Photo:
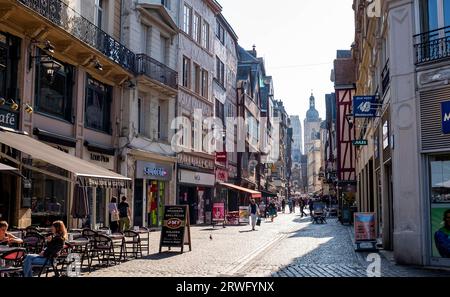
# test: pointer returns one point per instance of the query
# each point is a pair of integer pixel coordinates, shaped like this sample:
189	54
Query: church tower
311	124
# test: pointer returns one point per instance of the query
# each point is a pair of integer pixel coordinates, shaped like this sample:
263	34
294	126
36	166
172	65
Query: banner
440	231
365	226
218	212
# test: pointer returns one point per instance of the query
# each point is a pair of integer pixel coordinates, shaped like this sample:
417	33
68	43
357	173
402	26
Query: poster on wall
244	216
218	212
440	231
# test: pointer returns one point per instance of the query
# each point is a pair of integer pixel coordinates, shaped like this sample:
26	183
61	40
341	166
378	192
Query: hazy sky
298	40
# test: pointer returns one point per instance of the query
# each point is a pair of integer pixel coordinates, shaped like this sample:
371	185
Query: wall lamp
350	119
14	106
97	65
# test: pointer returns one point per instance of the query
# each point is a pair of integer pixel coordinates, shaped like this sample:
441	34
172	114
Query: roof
230	29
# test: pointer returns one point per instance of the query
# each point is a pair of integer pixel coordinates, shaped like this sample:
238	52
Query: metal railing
156	70
432	45
385	77
78	26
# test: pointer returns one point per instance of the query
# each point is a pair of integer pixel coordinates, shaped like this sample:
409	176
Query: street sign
363	106
176	230
360	142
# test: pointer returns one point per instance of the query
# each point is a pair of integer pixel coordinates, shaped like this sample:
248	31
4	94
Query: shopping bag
258	221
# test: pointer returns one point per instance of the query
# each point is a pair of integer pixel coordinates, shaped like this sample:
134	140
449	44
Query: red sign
365	227
221	175
218	212
221	157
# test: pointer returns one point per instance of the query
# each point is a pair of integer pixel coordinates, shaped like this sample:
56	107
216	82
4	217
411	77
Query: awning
4	167
268	194
255	194
86	174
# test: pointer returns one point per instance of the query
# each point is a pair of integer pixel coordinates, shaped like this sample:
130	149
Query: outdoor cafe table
5	249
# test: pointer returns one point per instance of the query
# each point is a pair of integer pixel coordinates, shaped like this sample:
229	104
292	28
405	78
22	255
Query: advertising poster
440	231
365	227
244	216
218	212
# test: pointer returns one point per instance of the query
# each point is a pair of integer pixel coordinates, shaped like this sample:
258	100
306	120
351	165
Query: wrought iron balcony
385	78
156	70
432	45
60	14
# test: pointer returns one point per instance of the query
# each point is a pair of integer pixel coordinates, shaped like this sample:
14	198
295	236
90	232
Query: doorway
188	196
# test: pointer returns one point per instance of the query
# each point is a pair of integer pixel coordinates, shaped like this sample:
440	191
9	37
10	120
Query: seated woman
7	238
55	243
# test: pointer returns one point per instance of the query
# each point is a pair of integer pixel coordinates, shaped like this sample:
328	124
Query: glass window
54	90
440	179
205	35
187	22
98	106
220	71
197	29
166	3
186	72
205	83
197	82
220	32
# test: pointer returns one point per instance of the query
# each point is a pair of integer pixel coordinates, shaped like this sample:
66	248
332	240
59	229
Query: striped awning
86	174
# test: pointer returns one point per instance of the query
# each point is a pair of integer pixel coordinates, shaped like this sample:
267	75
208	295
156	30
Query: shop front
196	189
151	192
50	178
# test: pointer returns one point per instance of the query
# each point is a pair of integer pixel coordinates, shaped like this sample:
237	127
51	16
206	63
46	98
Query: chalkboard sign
176	228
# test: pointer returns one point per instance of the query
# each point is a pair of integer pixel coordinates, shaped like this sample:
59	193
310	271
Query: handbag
258	221
115	216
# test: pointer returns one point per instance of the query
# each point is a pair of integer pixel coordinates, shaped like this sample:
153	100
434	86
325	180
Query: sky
298	40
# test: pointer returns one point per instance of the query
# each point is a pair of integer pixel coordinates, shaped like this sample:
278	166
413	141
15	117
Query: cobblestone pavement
290	246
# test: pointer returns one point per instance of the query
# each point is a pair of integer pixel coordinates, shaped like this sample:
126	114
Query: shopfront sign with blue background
445	109
153	171
364	107
8	118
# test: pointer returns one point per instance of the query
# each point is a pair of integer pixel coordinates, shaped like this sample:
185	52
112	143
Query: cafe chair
33	242
134	239
12	262
103	249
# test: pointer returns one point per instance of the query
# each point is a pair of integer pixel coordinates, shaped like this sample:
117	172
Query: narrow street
289	247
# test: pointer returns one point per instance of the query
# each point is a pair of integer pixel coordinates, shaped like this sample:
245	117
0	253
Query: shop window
49	200
98	106
54	91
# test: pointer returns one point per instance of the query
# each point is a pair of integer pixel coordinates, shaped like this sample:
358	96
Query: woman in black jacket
55	243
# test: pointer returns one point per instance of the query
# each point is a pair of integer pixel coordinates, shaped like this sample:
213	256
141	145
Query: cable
300	66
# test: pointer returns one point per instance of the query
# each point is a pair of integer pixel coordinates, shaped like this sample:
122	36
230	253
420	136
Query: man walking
124	215
254	212
283	205
302	203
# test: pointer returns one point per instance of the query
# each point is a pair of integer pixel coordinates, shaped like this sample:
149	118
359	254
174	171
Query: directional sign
364	106
360	142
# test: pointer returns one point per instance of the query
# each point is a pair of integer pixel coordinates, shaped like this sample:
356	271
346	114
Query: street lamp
350	119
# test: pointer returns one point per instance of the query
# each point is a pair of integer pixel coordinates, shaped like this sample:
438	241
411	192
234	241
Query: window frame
205	35
204	84
187	19
108	100
186	72
197	27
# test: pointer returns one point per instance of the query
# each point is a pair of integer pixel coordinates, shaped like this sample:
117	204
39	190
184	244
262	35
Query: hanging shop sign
221	175
153	171
360	142
445	110
176	232
221	157
364	106
197	178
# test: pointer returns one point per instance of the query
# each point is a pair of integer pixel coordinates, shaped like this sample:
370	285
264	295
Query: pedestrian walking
290	205
114	213
283	205
302	203
124	215
272	210
254	212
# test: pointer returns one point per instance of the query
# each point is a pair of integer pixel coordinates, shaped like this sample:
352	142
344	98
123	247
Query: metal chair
146	243
134	239
103	246
13	262
33	242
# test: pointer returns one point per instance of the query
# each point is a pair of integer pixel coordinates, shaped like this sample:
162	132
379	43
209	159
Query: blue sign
445	109
363	107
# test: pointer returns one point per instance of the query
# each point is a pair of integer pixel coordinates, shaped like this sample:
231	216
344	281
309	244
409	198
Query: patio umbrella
80	205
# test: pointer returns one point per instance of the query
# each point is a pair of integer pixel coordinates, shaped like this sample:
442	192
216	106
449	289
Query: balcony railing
385	77
156	70
432	45
78	26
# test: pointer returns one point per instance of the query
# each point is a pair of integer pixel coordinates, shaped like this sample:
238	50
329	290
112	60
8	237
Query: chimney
254	51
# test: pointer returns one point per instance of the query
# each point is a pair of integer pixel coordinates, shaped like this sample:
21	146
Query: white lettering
446	117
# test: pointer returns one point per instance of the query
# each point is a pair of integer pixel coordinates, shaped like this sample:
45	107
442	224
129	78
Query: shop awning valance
268	194
86	174
4	167
254	194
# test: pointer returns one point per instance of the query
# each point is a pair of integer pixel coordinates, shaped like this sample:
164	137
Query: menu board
218	212
176	228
